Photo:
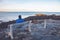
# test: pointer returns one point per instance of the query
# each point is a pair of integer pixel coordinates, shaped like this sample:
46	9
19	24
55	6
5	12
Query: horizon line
29	11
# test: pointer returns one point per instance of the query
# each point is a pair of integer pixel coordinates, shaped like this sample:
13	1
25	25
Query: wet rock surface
38	32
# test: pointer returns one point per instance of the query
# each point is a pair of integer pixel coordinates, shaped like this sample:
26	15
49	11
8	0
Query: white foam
10	18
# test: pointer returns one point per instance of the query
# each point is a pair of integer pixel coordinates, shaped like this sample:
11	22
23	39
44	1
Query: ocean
9	16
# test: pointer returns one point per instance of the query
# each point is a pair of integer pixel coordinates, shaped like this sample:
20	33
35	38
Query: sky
30	5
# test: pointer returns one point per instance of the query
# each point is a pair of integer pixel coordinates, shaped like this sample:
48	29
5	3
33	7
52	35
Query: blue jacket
19	20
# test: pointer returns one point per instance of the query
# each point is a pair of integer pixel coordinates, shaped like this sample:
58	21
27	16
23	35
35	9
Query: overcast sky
30	5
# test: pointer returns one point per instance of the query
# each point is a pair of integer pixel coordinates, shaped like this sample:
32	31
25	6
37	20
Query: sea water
9	16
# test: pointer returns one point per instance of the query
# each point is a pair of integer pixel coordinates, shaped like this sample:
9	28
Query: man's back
19	20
